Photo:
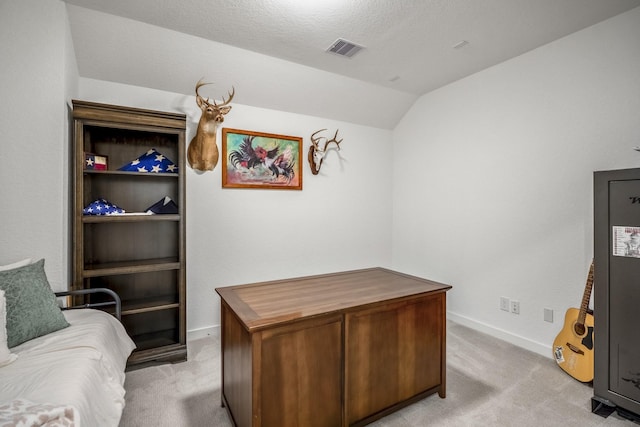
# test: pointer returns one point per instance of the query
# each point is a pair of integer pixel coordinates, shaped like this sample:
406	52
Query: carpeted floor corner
489	383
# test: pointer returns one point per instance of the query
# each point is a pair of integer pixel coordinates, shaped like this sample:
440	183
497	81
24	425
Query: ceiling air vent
344	47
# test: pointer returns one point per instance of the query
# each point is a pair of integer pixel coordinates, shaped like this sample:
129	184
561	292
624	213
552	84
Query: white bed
78	369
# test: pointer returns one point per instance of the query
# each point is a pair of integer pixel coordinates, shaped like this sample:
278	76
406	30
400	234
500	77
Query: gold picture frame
261	160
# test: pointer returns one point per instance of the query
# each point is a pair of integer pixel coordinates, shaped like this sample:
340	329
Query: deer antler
333	140
315	140
233	92
200	99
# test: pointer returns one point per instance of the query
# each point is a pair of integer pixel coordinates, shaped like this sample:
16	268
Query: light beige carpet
489	383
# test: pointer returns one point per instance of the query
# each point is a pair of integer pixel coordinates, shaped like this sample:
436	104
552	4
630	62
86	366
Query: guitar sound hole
580	329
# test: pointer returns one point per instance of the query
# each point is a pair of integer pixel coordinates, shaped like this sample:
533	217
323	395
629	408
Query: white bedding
81	366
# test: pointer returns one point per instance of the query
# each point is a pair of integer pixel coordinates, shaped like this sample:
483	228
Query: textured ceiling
260	45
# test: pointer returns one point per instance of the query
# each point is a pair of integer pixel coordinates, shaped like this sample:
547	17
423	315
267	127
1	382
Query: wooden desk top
265	304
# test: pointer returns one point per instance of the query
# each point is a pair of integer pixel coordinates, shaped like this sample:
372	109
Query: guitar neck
586	297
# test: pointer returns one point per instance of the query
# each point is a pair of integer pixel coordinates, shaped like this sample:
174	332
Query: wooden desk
340	349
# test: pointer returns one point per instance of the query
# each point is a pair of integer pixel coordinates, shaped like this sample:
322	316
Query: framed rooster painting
261	160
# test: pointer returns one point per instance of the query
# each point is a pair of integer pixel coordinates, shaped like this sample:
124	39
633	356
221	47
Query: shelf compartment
107	242
130	192
122	145
153	329
130	267
143	291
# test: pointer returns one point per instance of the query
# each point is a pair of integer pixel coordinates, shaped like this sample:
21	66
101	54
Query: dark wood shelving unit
139	256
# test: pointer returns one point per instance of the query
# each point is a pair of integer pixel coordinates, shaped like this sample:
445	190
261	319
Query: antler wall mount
317	154
202	153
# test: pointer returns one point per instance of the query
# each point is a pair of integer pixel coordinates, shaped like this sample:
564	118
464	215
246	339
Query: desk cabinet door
301	380
394	353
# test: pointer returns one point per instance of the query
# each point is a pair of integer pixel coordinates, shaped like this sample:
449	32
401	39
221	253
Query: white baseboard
536	347
194	334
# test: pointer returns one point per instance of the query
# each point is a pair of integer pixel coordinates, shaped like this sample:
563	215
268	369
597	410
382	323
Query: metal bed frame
116	299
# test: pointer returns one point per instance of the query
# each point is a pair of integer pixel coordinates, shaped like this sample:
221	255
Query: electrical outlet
504	303
515	307
548	315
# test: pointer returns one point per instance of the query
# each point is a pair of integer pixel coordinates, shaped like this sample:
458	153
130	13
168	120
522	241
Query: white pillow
15	264
6	356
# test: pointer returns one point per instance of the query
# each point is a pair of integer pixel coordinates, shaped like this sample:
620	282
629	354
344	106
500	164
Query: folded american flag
163	206
102	207
151	161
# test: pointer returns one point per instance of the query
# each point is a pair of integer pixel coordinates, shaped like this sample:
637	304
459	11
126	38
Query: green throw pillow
32	309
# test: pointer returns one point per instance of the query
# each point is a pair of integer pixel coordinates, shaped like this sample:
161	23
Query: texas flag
95	162
153	162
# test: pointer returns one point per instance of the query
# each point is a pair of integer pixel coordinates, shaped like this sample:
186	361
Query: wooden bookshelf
139	256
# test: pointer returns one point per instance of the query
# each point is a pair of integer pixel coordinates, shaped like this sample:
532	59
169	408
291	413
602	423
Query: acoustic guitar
573	347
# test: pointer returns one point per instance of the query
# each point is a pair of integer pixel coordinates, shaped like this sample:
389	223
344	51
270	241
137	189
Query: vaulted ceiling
274	51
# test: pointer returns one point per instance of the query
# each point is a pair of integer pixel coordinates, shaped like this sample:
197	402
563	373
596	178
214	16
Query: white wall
492	184
37	70
339	221
491	177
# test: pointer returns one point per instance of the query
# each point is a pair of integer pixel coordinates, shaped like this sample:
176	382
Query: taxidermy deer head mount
203	150
316	154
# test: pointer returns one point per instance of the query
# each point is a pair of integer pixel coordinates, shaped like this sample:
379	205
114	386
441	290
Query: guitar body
573	347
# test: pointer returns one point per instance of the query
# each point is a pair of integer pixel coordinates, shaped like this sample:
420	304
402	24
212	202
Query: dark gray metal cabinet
616	383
